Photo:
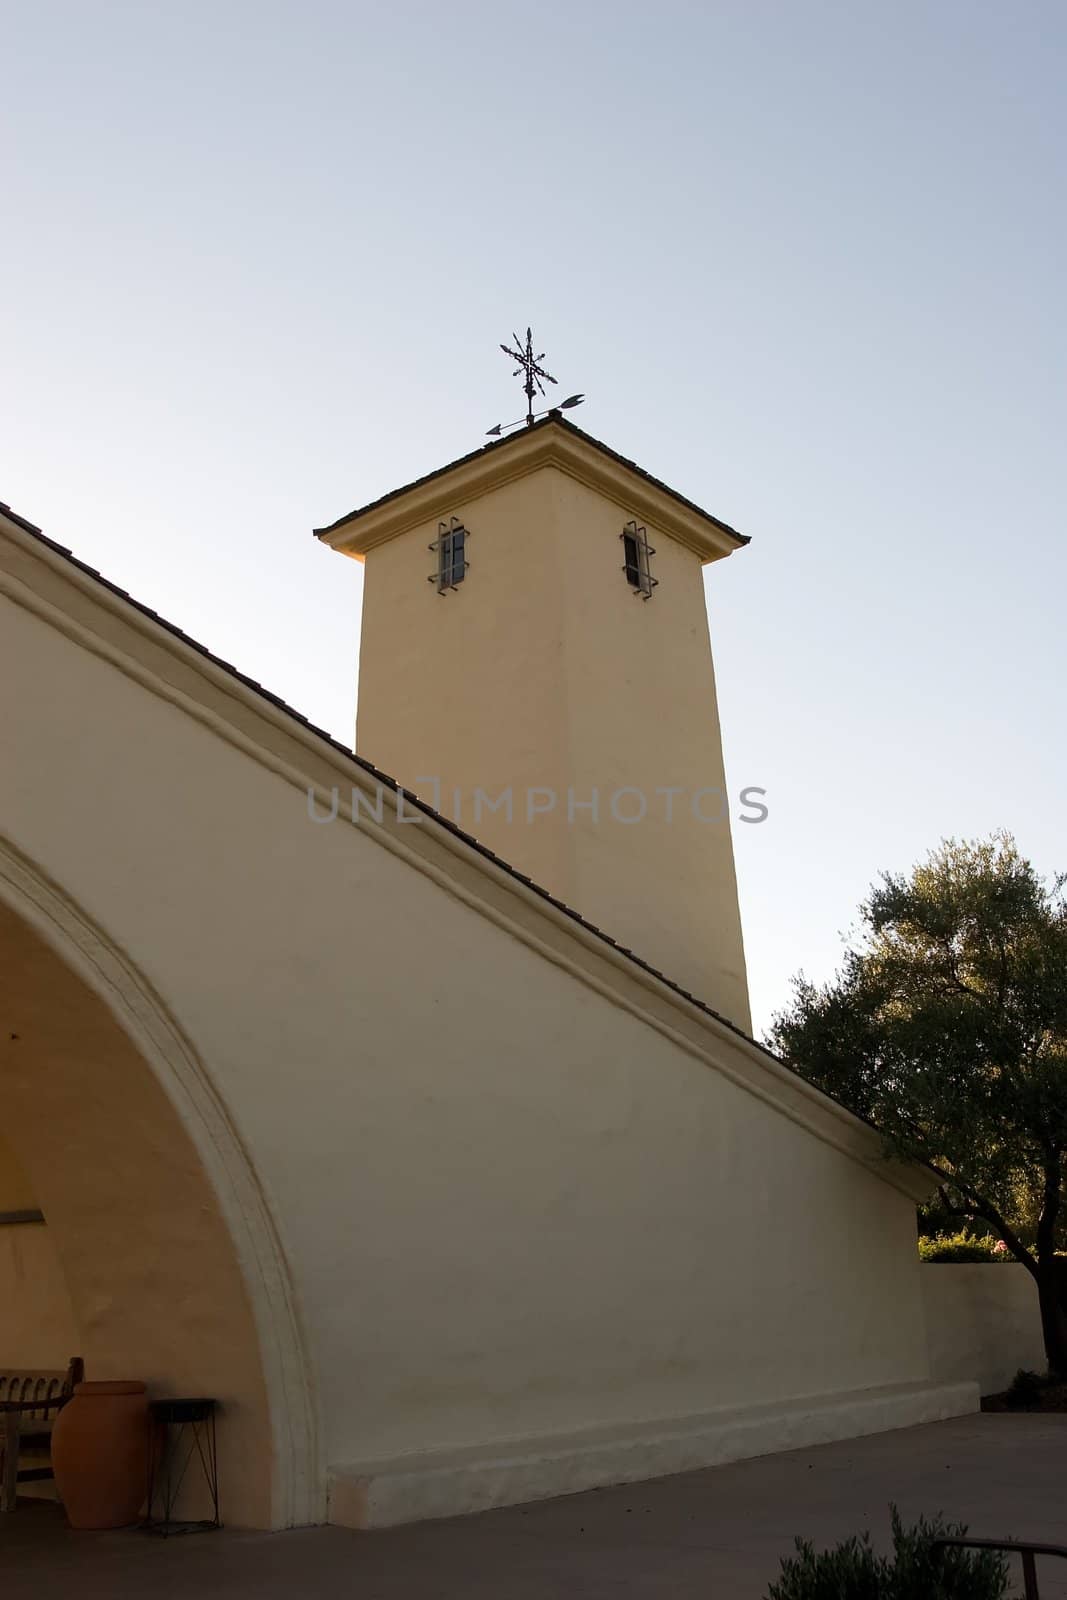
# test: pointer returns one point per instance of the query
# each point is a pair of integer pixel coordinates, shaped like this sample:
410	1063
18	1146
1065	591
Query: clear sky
807	260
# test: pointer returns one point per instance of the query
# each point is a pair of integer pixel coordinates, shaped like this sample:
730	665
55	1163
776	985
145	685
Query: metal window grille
637	560
450	547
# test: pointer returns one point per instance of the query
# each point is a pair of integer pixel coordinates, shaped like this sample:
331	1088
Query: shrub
919	1573
853	1571
1026	1388
962	1247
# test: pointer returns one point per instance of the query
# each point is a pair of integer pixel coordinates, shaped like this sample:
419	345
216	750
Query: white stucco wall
624	698
514	1203
983	1322
37	1327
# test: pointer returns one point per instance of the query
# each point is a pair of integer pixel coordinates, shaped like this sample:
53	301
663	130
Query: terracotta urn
100	1454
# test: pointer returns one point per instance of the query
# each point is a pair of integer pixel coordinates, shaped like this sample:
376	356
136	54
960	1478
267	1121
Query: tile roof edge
555	419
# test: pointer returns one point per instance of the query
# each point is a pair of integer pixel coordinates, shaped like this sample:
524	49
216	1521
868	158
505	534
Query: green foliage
853	1571
946	1028
934	1217
962	1247
1026	1388
919	1573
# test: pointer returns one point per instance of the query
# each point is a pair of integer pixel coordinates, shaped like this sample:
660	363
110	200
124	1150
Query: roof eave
551	442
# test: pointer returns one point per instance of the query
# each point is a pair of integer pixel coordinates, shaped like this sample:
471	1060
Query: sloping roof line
554	419
411	799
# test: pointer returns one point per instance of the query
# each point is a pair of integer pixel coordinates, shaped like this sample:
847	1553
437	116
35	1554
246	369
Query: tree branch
981	1207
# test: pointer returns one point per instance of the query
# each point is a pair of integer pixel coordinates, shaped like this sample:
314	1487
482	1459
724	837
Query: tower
535	662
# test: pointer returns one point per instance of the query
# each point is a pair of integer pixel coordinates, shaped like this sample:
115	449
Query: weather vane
536	378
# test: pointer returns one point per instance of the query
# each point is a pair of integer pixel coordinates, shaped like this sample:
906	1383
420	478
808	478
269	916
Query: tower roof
551	442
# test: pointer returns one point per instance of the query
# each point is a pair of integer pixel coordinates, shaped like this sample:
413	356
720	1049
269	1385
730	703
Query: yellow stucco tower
535	662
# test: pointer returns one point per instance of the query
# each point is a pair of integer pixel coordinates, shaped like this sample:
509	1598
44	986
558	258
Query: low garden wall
982	1322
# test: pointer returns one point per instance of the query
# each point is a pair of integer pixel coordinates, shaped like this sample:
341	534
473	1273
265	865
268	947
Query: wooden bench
29	1404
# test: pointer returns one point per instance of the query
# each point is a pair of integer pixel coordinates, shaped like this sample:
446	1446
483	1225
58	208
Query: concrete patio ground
715	1533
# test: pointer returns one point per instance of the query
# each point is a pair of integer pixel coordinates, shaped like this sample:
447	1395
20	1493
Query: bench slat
29	1401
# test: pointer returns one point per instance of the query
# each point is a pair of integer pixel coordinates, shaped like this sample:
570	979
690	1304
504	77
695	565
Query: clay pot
100	1454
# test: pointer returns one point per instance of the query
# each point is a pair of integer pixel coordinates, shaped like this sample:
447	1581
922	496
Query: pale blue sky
807	261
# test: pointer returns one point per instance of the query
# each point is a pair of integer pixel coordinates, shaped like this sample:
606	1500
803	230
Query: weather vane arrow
536	377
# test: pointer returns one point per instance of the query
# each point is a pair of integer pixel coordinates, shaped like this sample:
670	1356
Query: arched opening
170	1269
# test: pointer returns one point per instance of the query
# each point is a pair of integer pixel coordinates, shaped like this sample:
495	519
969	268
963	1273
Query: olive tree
946	1027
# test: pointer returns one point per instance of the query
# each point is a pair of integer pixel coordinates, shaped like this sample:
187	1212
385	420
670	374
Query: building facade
333	1113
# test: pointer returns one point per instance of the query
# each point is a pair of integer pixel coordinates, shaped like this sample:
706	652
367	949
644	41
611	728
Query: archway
170	1258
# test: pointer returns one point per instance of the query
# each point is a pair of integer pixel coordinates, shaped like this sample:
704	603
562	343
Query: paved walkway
716	1535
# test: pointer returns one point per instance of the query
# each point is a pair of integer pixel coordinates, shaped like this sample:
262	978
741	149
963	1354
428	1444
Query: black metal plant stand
180	1430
